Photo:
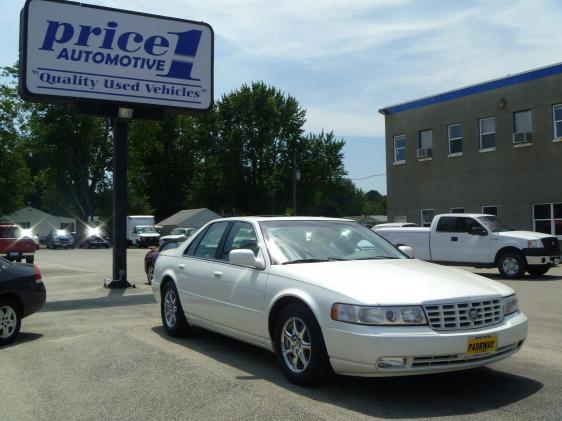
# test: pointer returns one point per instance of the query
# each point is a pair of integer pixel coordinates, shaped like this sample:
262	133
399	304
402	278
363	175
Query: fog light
392	362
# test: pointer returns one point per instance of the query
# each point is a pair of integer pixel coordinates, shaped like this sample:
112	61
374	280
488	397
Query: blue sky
344	60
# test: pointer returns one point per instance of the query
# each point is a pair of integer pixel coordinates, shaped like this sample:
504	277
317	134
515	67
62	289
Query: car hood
151	235
172	237
523	235
394	281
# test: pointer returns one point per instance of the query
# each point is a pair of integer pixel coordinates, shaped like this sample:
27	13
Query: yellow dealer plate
482	345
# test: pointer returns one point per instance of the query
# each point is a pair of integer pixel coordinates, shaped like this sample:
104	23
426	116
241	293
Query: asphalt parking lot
94	353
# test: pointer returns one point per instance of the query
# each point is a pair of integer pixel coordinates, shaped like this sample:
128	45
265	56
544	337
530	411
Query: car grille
455	359
458	315
551	244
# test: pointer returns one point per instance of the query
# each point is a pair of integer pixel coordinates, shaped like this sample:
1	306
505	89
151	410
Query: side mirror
245	257
476	230
407	250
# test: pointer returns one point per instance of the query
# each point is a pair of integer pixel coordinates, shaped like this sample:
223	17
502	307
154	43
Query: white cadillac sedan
329	295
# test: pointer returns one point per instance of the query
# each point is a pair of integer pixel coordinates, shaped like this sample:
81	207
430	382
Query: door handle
217	273
181	266
454	238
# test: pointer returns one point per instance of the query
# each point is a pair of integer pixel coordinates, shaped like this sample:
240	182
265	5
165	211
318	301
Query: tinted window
10	232
209	243
447	224
241	236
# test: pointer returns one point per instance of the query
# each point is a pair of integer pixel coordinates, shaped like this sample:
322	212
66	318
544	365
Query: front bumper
357	350
543	260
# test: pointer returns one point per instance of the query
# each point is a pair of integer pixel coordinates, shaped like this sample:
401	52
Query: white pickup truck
482	241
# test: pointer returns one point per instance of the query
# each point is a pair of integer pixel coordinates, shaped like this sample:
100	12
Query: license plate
482	345
14	253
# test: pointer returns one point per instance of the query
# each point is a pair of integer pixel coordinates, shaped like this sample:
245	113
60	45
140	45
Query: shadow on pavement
447	394
543	278
23	338
113	299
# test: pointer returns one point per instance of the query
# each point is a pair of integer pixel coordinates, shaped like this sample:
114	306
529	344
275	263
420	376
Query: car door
442	238
238	291
470	247
195	272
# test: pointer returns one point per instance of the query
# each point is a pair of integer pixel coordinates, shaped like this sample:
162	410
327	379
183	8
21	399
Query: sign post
119	64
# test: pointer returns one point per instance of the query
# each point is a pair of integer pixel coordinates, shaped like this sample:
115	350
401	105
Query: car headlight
534	244
378	315
510	305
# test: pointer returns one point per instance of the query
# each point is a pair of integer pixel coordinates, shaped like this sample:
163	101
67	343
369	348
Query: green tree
15	177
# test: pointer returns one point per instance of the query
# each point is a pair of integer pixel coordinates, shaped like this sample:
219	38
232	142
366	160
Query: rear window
10	232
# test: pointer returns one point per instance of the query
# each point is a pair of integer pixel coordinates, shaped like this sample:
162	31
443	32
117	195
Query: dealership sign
72	52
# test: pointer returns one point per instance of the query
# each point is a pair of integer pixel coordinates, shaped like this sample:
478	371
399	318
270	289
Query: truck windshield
146	230
495	224
323	241
10	232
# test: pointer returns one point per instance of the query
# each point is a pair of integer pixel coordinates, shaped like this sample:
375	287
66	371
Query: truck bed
418	238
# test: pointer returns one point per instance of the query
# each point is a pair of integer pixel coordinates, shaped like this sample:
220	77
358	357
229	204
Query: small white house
41	222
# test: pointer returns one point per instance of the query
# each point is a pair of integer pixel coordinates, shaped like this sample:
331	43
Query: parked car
94	241
394	225
181	234
59	238
329	294
152	255
14	246
22	293
481	241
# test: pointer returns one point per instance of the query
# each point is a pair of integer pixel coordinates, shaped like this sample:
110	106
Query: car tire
512	265
30	259
10	320
149	274
173	318
538	270
300	347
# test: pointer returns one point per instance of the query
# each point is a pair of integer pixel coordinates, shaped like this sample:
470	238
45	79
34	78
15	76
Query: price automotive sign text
73	52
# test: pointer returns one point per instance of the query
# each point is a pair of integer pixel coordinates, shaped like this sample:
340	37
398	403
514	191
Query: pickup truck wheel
538	270
512	265
29	259
10	321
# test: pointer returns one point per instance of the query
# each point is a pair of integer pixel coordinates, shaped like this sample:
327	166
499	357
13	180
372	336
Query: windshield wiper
330	259
377	258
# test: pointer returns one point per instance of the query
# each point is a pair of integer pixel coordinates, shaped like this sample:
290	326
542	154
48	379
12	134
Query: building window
557	120
547	218
490	210
457	210
425	144
426	217
487	133
455	139
400	149
522	127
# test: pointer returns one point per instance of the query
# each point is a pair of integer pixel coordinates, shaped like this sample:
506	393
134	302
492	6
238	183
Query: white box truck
141	231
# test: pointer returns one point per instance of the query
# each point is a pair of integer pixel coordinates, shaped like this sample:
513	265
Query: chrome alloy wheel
295	345
510	266
8	321
170	308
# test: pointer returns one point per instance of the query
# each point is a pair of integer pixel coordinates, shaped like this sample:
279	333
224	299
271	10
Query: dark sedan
152	255
94	241
22	293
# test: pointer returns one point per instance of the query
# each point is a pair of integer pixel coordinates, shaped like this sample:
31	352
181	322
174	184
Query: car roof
281	218
470	215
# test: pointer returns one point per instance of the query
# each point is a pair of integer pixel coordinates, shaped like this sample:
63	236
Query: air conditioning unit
424	153
522	137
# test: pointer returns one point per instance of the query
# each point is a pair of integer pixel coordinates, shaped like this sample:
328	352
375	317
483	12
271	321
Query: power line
369	176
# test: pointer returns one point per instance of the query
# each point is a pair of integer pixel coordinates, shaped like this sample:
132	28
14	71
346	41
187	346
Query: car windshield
495	224
320	241
146	230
